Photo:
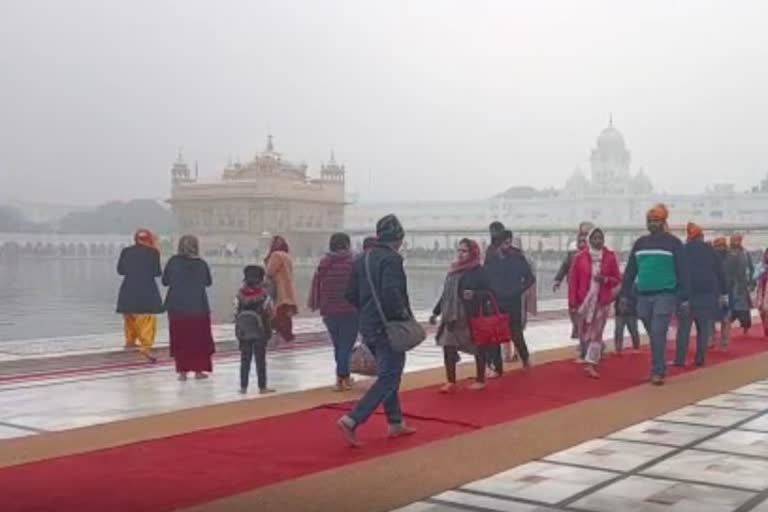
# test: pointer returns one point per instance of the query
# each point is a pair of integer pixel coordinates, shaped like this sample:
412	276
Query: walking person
466	288
657	267
511	277
496	231
139	298
279	265
529	303
253	327
720	245
739	271
593	279
707	294
329	285
187	277
626	318
564	270
390	284
761	296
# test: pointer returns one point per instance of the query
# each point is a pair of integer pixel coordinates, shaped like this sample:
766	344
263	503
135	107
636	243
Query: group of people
265	304
697	282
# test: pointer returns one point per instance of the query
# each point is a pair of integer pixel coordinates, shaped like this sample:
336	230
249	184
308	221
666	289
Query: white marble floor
711	456
59	403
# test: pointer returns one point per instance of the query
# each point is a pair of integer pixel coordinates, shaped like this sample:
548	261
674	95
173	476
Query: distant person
529	302
593	277
139	298
761	296
720	245
511	277
465	290
369	243
657	267
391	286
187	277
707	294
739	275
280	273
565	268
253	327
327	294
496	230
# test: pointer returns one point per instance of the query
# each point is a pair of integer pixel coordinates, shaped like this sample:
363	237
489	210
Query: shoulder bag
403	335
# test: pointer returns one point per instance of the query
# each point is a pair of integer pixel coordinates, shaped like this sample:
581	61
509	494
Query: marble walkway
711	456
53	403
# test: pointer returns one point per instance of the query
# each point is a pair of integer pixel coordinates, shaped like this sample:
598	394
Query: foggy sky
452	99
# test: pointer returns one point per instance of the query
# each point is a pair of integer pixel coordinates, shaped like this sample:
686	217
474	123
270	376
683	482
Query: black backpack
252	325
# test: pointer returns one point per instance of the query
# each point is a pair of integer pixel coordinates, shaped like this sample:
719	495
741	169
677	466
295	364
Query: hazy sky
434	99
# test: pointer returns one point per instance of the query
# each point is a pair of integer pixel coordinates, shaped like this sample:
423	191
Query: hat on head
389	229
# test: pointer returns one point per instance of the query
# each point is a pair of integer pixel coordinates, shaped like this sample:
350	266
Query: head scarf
189	246
736	240
720	243
473	259
278	244
589	237
146	238
369	243
389	229
694	231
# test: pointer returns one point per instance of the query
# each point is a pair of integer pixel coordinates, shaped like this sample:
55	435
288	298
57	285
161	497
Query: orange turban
146	238
720	243
694	231
736	240
658	213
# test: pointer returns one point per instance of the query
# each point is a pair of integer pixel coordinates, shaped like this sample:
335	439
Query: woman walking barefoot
593	278
466	285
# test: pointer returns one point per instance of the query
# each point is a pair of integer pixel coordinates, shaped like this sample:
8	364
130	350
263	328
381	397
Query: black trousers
257	352
630	322
494	355
451	358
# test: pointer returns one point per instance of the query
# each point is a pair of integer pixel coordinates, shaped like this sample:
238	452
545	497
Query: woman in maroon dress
189	316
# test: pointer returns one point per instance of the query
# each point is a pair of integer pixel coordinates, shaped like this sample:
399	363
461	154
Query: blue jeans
386	389
343	331
704	331
656	312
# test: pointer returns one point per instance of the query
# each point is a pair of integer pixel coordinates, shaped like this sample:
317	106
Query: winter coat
139	266
510	276
187	279
329	284
707	279
391	284
280	272
656	265
580	278
476	280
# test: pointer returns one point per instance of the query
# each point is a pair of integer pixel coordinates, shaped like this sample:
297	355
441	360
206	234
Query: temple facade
251	202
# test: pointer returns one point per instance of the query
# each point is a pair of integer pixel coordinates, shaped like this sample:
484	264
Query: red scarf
472	260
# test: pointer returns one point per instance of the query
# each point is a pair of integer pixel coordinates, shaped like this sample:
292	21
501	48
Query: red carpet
194	468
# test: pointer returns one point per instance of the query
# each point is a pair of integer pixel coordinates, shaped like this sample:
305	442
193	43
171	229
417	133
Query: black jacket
187	278
565	267
510	276
391	285
706	269
476	280
139	266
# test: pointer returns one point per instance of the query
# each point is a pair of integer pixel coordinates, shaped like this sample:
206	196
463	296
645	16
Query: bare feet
348	383
592	371
493	375
266	391
448	389
657	380
201	375
347	427
400	430
150	359
476	386
182	377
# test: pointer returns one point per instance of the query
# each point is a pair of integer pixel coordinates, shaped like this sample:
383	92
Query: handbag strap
494	304
373	288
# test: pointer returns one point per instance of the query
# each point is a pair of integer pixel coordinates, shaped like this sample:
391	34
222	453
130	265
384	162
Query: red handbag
490	329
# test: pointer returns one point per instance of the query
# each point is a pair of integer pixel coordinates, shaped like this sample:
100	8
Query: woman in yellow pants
139	298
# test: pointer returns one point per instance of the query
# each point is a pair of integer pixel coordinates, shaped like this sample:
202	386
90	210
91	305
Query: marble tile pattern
706	457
